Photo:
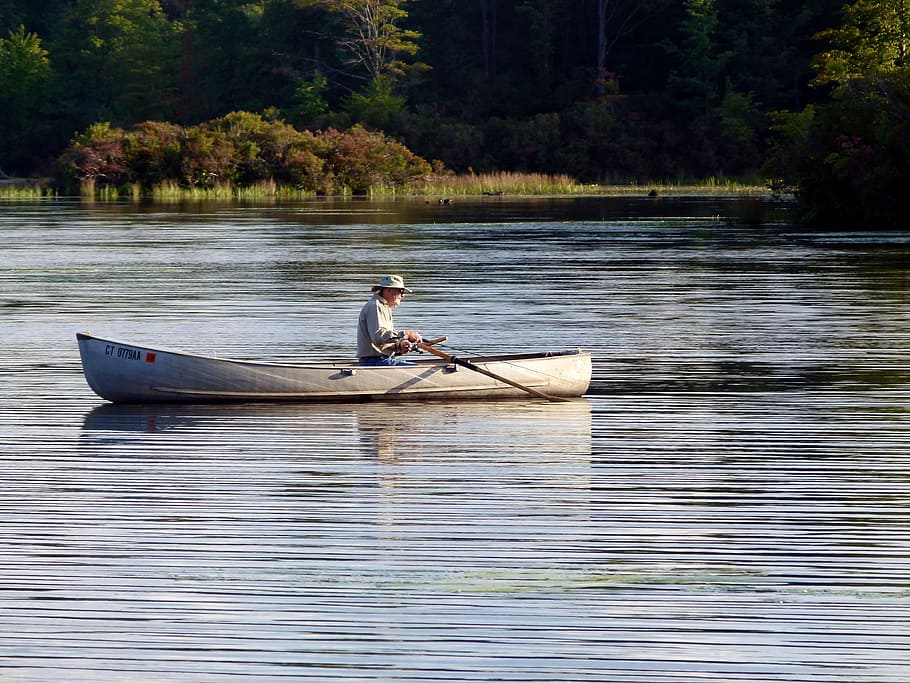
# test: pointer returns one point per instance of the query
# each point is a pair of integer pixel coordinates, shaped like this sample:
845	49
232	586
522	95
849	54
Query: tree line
602	90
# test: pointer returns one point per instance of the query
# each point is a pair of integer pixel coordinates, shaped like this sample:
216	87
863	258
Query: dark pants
384	360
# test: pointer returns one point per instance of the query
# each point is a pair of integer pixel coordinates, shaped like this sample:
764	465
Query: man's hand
409	341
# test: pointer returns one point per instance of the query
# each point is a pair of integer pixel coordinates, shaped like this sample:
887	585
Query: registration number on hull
126	353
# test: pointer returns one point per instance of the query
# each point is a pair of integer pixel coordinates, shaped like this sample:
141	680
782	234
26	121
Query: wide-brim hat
393	281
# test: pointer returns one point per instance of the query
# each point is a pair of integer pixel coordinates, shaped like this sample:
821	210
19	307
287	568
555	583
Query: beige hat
393	281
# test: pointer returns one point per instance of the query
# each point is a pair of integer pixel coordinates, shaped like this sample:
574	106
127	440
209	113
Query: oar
426	346
434	342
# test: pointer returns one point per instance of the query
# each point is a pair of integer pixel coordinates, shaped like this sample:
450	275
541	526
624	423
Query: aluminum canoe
124	372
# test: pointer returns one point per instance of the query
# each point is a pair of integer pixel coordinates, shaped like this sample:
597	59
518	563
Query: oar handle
427	346
432	342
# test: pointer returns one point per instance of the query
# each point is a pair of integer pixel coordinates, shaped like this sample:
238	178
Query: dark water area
730	502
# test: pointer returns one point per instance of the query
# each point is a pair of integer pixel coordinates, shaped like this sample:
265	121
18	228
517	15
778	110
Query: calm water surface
730	503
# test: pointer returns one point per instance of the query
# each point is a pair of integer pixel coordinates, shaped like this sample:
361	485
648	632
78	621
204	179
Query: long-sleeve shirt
376	333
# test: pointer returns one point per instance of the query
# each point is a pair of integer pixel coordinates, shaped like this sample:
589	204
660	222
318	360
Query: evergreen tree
225	65
115	61
694	80
24	77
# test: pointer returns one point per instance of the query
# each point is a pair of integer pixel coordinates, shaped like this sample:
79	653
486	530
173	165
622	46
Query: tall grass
530	184
266	190
500	183
35	191
706	186
467	185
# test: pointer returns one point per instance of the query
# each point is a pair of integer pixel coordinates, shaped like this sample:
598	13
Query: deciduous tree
374	36
873	39
848	158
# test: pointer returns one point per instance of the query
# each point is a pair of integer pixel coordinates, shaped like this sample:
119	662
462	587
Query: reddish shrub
96	156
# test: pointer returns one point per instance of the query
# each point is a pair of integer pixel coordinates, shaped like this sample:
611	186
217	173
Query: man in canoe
378	342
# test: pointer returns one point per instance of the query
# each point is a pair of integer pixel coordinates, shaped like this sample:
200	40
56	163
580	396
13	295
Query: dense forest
601	90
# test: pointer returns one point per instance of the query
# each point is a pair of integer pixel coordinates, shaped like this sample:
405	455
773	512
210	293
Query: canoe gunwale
331	364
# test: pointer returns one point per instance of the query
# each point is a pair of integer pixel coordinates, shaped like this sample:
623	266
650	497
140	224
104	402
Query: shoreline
24	189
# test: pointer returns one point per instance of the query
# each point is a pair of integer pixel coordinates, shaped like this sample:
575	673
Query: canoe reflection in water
375	463
495	430
464	470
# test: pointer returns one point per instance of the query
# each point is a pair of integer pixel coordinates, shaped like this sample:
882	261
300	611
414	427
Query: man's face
392	296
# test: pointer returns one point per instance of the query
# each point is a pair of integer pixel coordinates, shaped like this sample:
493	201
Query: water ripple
728	504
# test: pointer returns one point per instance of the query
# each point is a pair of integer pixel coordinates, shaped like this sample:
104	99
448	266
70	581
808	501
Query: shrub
207	158
152	152
95	156
847	160
239	150
260	145
303	167
359	159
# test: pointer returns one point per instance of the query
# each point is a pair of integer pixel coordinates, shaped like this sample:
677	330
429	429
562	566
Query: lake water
730	503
